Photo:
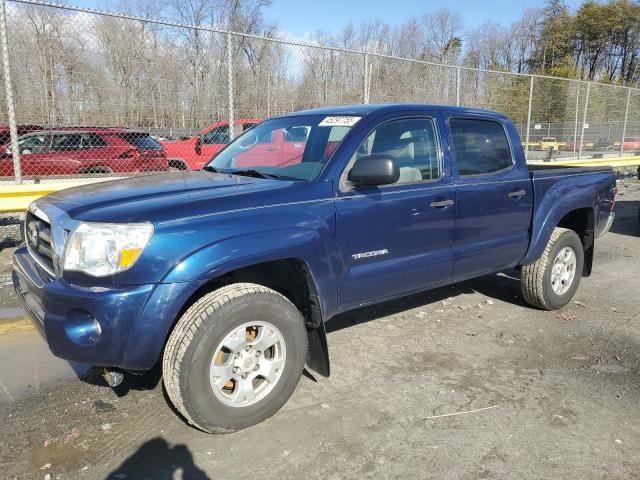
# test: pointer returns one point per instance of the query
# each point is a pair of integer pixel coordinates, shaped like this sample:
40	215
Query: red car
631	144
72	151
194	152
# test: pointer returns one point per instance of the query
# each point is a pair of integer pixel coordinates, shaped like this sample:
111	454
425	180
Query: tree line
76	68
599	41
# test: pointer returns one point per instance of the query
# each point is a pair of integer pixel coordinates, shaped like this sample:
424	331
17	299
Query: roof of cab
366	109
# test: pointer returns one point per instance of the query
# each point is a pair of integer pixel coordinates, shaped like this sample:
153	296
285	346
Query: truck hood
164	197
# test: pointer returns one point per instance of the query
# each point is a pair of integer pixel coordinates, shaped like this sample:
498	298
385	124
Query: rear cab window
217	136
480	146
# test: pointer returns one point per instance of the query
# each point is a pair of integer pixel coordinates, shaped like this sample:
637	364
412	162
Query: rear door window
480	146
66	141
92	140
141	140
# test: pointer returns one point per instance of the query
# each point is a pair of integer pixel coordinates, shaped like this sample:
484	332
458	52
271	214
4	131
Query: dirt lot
462	382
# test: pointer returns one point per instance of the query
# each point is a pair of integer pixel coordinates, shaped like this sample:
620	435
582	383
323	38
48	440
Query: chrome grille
39	241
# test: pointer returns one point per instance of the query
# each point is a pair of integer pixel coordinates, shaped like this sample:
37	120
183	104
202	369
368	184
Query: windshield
293	148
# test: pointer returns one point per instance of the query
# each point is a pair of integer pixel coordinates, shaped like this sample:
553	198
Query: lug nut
256	367
236	369
257	354
237	355
244	375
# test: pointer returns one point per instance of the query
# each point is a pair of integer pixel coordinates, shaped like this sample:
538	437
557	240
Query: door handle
442	203
517	194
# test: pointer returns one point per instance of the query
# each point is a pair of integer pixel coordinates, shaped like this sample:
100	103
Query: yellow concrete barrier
16	198
615	162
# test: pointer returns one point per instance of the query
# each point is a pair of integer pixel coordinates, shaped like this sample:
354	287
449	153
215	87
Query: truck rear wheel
235	357
551	282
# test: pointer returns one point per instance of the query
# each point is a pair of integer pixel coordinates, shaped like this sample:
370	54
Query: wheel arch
304	279
290	277
579	217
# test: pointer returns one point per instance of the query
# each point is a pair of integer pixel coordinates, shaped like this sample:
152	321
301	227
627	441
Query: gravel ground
461	382
9	240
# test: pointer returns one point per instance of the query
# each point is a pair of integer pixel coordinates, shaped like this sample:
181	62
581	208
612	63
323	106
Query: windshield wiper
209	168
253	173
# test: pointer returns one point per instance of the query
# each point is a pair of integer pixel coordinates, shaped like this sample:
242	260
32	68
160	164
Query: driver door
395	239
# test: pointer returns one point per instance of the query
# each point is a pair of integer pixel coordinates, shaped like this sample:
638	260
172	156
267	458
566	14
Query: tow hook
112	377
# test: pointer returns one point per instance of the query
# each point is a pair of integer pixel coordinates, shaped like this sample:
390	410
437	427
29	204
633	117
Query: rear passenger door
394	239
494	197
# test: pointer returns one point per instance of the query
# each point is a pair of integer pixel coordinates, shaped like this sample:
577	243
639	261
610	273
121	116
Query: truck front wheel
235	357
551	282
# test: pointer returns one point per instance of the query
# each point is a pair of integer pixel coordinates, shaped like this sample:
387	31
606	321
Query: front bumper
112	326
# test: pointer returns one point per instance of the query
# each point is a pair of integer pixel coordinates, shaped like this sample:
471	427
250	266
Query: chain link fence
103	93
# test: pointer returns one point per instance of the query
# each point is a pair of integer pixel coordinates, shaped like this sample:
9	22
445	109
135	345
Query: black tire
536	277
177	165
98	171
192	344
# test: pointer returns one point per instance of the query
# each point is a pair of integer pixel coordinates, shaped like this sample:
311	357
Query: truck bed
573	188
538	170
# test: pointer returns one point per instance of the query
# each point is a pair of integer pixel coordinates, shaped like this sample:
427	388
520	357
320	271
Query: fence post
365	83
526	141
458	86
624	126
11	111
230	84
575	125
584	119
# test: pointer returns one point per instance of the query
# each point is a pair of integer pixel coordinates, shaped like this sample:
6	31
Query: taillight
130	154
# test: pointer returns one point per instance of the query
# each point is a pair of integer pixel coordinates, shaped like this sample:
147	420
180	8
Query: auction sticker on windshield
339	121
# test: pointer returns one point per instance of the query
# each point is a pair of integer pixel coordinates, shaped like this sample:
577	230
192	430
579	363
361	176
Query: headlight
100	249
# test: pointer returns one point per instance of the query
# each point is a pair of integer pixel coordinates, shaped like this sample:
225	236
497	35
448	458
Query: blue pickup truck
227	275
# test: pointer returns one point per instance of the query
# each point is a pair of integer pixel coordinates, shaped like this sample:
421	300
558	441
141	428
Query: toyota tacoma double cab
227	275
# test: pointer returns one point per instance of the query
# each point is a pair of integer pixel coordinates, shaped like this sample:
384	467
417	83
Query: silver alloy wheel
564	271
247	364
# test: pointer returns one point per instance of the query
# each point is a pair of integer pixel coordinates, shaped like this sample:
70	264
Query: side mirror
374	170
198	145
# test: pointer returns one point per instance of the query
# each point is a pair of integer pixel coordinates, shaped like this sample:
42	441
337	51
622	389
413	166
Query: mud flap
318	355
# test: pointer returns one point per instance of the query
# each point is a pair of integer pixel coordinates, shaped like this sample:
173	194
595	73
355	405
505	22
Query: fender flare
150	332
250	249
557	205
